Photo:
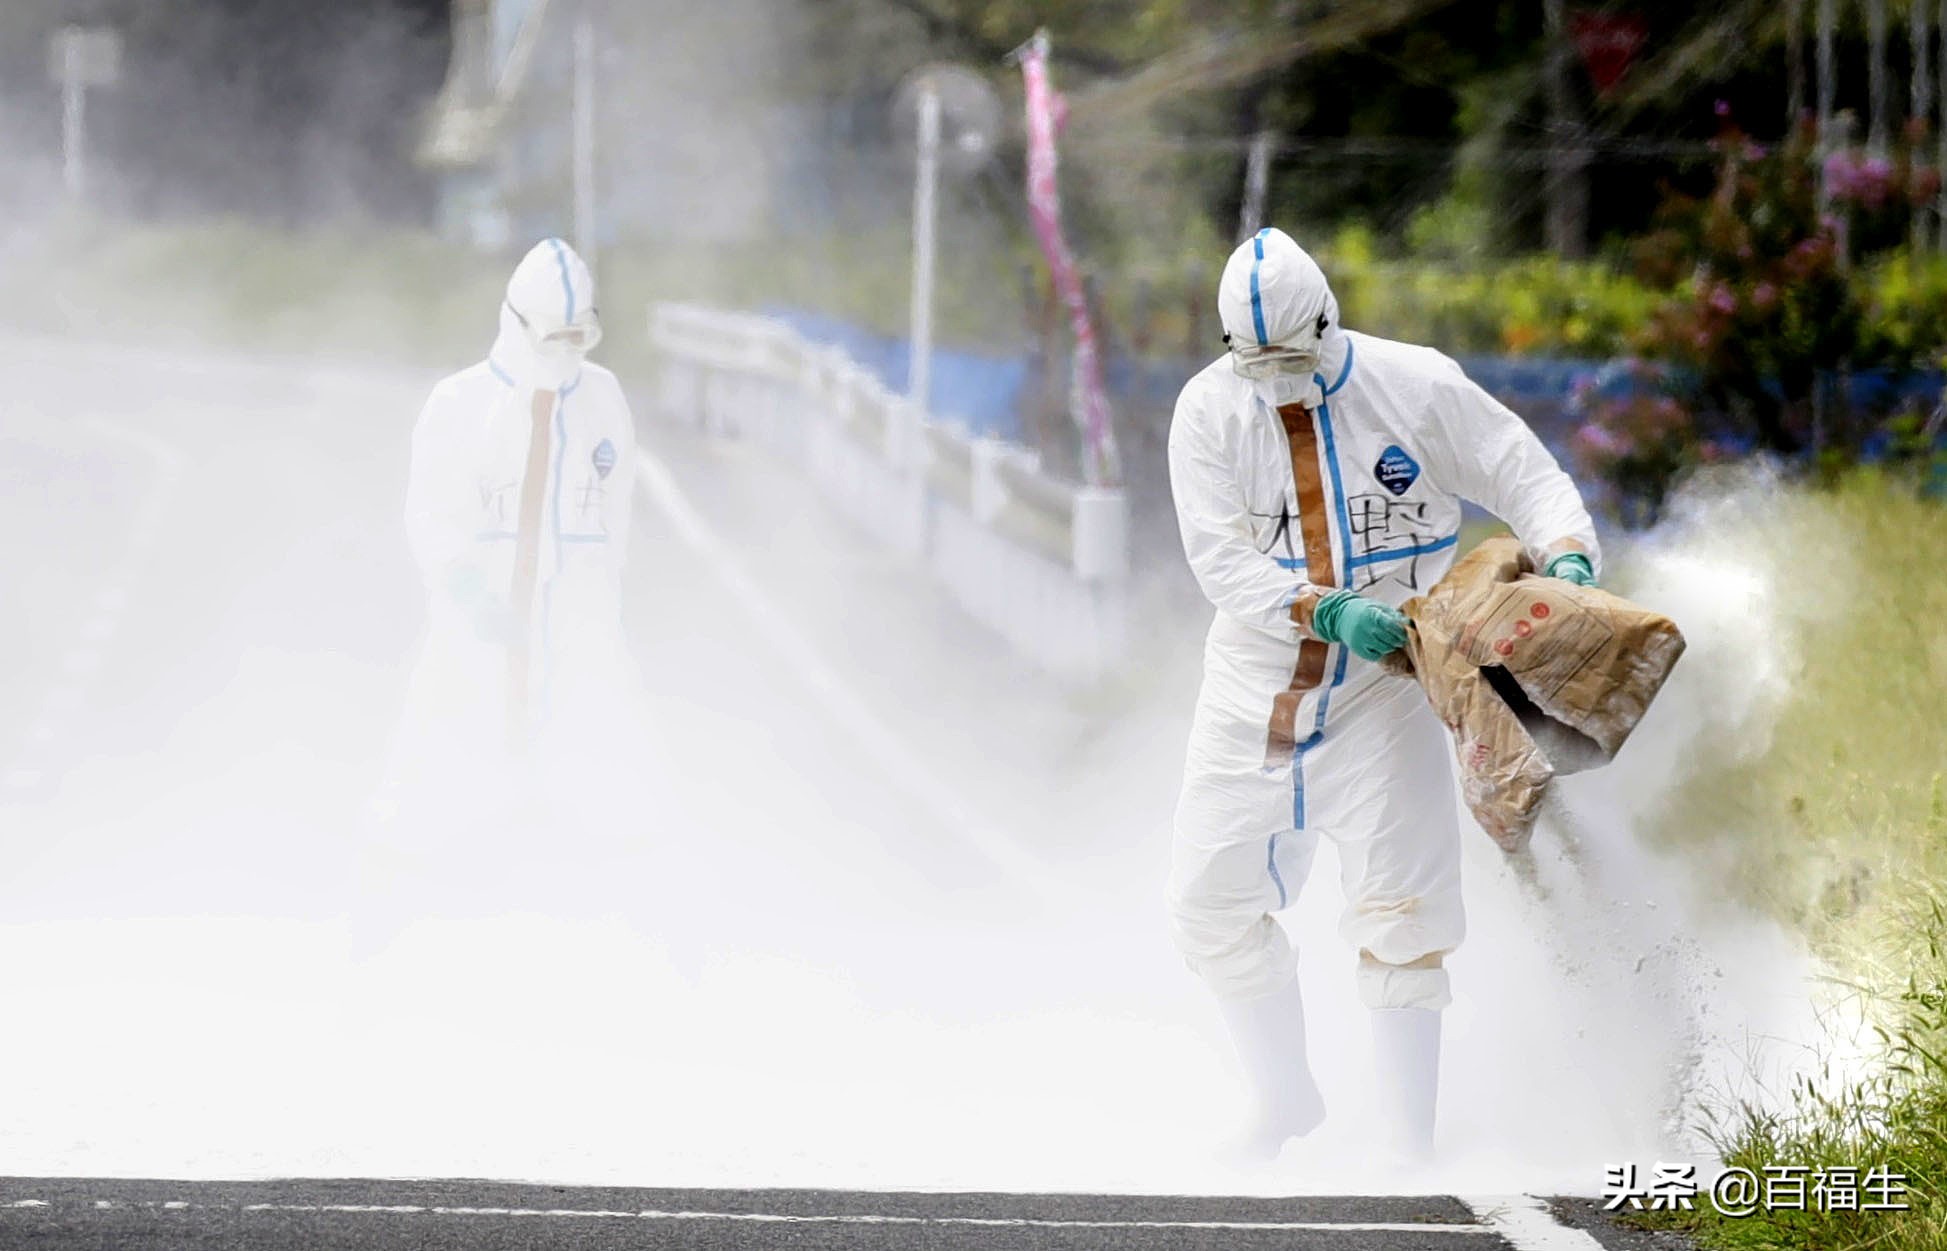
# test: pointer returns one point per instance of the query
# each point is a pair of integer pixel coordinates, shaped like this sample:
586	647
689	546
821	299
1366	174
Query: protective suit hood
548	320
1273	293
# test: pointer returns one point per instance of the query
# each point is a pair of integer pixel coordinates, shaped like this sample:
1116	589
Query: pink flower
1721	299
1599	440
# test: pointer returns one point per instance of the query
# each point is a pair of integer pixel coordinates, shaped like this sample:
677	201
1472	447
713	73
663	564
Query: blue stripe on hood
567	287
1257	301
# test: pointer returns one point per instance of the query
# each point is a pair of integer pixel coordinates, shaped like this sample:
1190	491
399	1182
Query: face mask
1284	388
553	367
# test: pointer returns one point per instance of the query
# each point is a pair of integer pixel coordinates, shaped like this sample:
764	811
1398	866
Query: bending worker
1318	476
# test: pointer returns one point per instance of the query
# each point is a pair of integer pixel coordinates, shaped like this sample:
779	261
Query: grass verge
1839	829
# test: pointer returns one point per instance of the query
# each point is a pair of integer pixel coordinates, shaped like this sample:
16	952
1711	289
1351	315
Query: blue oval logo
1396	470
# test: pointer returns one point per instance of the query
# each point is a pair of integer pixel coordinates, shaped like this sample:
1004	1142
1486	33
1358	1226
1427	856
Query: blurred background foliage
1529	180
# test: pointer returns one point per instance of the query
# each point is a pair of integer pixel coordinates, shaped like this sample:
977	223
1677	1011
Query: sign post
926	181
80	57
584	138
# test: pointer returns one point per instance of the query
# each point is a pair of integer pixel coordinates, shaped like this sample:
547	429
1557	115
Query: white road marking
846	1218
1527	1224
887	748
400	1208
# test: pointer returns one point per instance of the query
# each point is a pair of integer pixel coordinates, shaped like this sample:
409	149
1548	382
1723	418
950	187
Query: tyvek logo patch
604	458
1396	470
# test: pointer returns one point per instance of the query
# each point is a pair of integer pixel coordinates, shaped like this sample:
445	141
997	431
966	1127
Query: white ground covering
779	964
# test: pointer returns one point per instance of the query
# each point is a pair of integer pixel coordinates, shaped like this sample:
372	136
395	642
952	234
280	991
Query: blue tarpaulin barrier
985	392
980	391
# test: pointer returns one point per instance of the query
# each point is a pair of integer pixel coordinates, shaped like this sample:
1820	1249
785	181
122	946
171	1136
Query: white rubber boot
1406	1060
1269	1033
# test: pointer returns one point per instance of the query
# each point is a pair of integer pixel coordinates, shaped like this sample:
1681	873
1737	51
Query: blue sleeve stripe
1401	553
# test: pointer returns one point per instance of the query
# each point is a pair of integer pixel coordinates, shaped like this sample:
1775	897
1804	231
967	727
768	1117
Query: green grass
1839	829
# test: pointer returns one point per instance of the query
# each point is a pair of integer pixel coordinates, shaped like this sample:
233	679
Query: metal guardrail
1043	561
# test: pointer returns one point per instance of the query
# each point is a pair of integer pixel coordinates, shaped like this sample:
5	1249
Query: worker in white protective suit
1318	477
517	512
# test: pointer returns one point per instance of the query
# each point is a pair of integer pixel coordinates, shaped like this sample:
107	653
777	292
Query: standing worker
517	512
1318	477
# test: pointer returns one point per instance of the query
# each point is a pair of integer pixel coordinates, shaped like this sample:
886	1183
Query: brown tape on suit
527	569
1314	531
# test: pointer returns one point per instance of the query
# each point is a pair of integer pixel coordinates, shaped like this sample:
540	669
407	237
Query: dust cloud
765	949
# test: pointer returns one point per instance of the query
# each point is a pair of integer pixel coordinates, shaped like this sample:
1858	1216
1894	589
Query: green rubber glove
1572	567
1371	629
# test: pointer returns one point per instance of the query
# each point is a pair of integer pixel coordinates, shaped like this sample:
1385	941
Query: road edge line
1528	1225
880	742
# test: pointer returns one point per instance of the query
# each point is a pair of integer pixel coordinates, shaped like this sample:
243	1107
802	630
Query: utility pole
1257	183
926	181
1794	63
1876	128
1828	19
1920	109
80	57
74	131
1827	86
583	123
1568	188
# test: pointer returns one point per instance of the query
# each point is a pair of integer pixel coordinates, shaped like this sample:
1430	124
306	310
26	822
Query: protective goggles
1272	360
581	336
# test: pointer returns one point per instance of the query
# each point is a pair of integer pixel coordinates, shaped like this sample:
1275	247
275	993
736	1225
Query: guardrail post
989	488
1101	534
907	454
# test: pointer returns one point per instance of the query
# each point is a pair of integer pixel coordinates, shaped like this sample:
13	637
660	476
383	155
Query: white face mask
1284	388
553	367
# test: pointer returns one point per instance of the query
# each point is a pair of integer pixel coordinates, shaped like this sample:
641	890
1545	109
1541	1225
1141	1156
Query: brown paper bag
1533	676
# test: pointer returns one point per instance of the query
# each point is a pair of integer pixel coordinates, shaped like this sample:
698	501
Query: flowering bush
1874	195
1637	443
1762	321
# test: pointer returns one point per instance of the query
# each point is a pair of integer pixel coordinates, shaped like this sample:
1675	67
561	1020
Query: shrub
1764	326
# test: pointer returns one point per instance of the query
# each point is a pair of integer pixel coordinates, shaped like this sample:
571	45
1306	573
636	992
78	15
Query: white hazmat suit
517	512
1286	488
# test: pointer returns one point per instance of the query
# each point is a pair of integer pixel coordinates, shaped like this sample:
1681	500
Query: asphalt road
477	1216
